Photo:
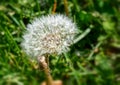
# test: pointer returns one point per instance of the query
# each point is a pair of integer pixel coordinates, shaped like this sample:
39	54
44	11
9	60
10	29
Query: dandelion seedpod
51	34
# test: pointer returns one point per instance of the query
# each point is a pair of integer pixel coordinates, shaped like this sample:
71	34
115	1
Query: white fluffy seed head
52	34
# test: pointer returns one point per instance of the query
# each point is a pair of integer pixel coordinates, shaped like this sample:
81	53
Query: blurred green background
94	60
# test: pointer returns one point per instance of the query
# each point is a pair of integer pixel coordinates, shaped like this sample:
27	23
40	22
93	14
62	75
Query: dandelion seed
52	34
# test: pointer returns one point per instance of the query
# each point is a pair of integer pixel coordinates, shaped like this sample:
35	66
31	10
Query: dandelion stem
42	61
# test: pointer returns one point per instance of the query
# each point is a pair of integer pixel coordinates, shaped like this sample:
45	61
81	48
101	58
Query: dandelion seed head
52	34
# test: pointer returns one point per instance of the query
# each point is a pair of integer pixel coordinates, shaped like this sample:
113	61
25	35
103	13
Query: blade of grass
77	77
10	37
85	33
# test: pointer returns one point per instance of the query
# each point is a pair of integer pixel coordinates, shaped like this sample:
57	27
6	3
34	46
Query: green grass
93	60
